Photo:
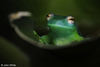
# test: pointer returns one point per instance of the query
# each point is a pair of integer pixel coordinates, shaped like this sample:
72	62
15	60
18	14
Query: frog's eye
49	16
70	19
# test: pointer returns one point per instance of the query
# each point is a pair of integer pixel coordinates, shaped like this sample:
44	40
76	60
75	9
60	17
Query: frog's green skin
60	31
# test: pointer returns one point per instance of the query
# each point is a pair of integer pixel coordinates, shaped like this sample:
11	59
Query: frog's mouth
59	26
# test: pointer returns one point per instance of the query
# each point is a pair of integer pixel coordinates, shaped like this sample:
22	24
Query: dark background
22	53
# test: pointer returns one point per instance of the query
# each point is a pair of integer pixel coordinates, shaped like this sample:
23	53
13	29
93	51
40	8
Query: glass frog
62	30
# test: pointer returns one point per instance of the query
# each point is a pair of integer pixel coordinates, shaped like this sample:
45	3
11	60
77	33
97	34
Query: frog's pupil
71	19
47	15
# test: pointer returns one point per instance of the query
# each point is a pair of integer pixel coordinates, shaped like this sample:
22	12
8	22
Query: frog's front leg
44	39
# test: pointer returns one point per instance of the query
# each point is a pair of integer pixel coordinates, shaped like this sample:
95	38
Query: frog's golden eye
70	19
49	16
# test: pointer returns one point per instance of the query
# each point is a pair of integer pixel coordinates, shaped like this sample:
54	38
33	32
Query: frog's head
61	21
61	25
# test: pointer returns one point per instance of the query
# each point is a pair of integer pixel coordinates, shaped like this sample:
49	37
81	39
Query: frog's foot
18	15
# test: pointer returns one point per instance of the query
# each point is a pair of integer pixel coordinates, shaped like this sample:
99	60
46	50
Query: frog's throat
62	30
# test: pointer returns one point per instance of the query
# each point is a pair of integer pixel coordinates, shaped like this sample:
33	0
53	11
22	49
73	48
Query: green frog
62	30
